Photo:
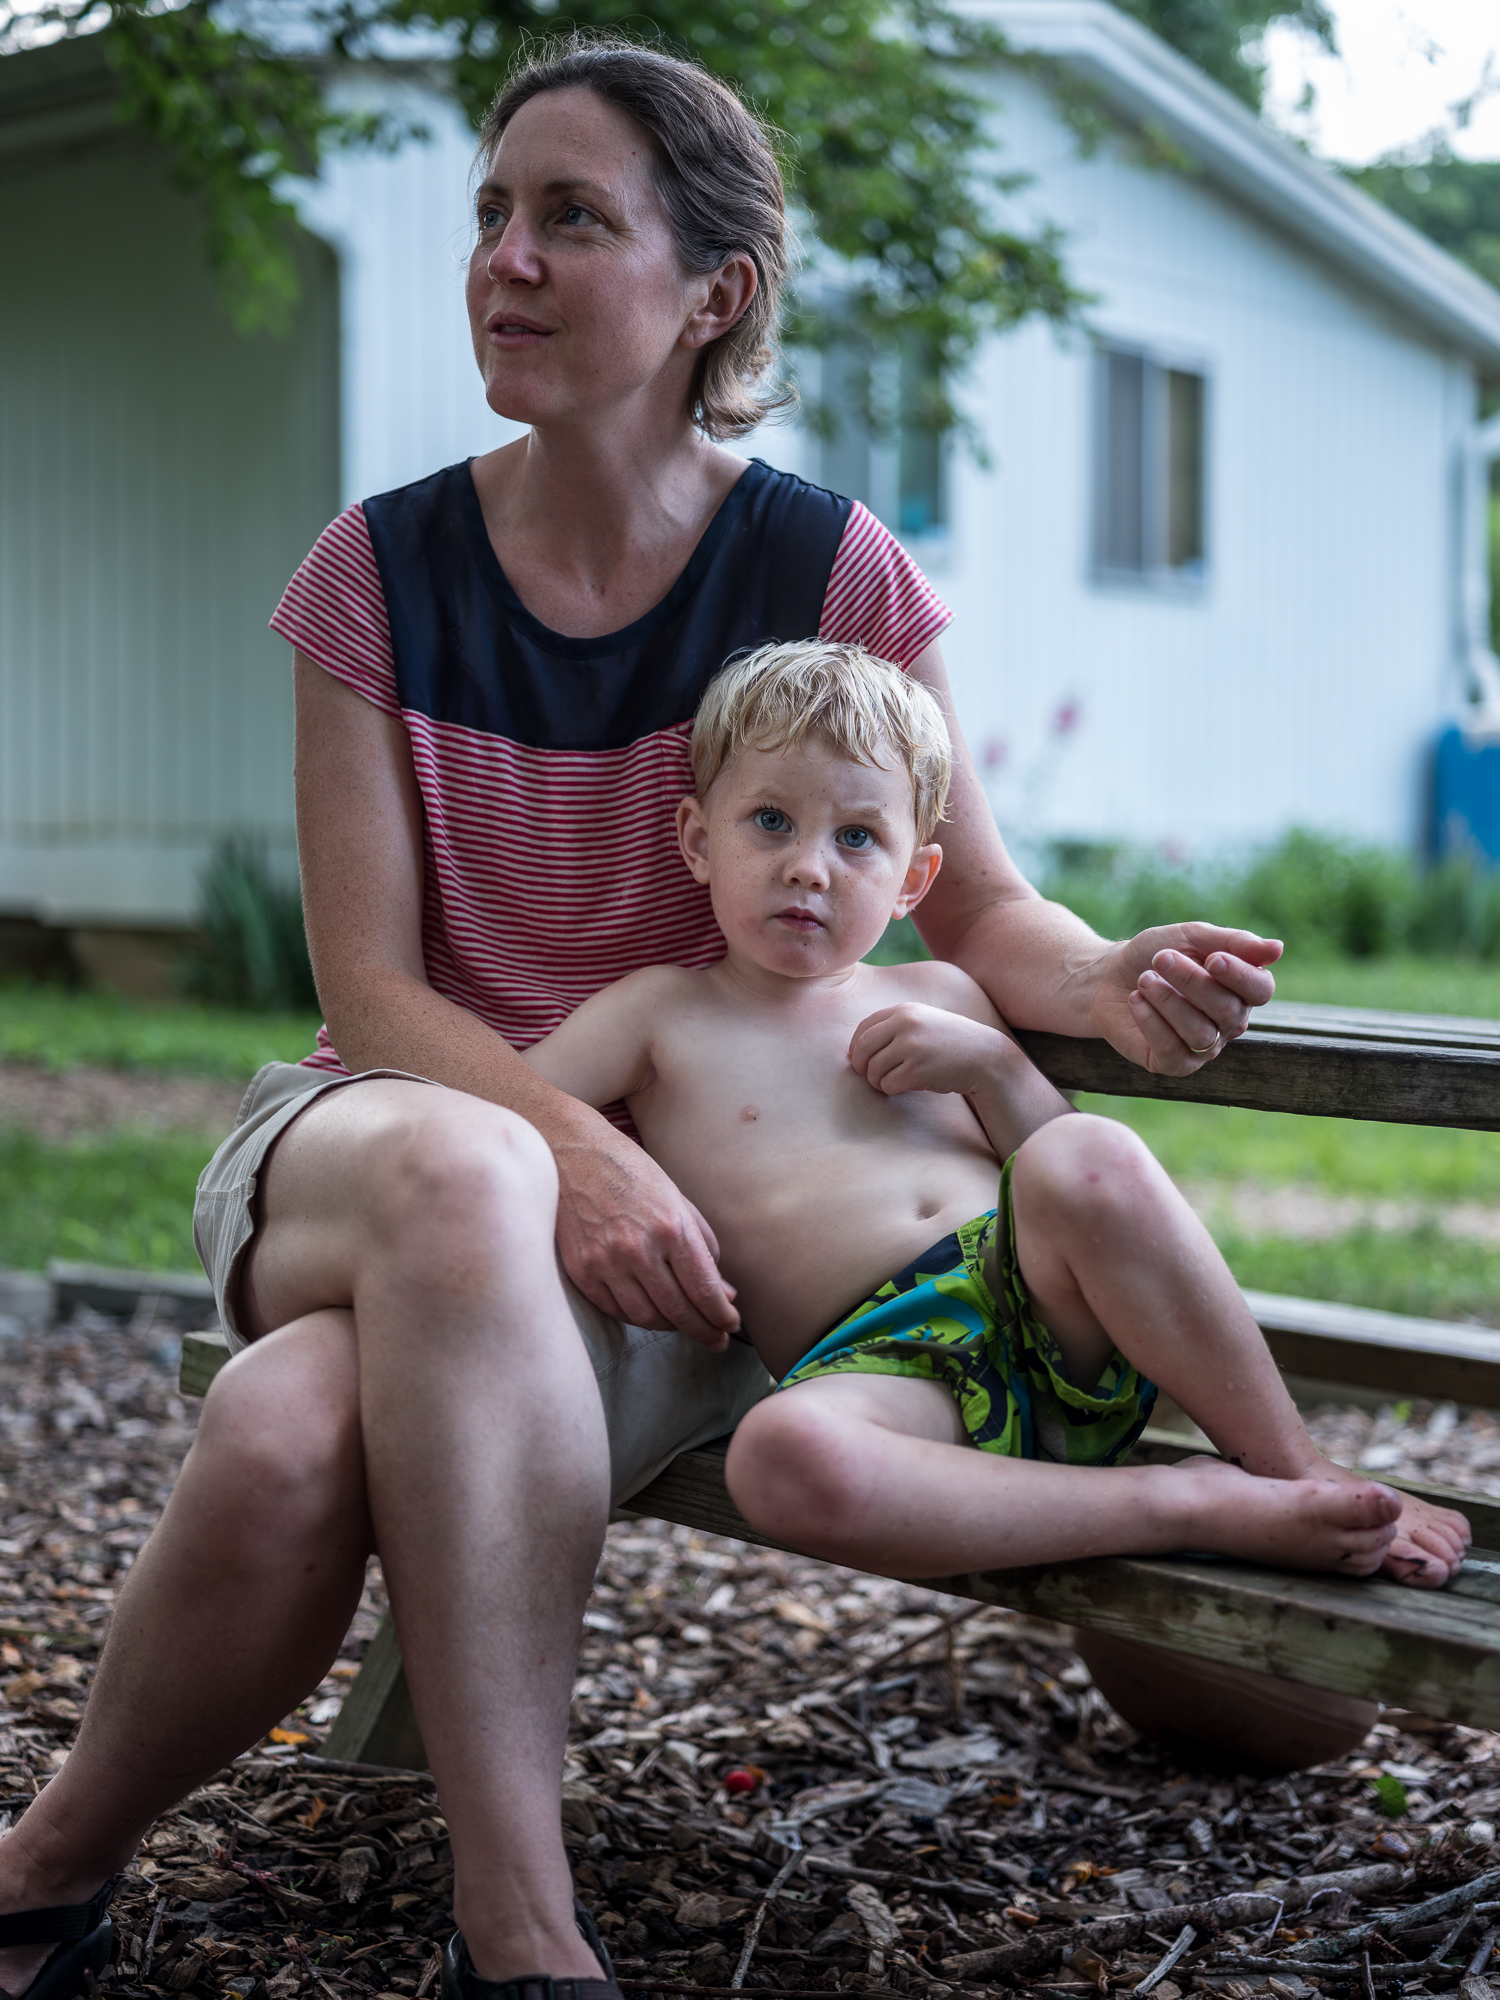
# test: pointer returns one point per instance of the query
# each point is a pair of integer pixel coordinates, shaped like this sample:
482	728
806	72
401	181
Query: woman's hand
1174	997
912	1047
634	1245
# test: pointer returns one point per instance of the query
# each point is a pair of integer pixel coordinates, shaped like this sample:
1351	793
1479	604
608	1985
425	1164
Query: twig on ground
783	1876
1165	1963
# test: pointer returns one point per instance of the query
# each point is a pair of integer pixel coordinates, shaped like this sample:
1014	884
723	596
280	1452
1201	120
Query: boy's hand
635	1245
912	1047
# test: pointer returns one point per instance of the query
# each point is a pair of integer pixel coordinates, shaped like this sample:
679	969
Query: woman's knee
279	1449
458	1169
1084	1167
794	1473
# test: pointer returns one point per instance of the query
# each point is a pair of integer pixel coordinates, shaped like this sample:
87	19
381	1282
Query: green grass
58	1028
1400	985
1409	1271
126	1199
1213	1142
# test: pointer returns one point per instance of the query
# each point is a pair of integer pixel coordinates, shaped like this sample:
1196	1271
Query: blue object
1465	797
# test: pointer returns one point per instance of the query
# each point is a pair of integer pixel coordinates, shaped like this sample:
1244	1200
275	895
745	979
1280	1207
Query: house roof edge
1143	77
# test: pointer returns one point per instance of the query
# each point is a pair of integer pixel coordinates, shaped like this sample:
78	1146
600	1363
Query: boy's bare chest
750	1092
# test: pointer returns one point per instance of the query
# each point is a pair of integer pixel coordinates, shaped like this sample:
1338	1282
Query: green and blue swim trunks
960	1315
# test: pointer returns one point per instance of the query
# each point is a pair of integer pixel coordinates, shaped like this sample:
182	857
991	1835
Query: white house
1217	576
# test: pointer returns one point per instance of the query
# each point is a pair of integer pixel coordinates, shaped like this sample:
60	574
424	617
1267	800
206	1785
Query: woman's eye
859	838
769	820
573	214
489	218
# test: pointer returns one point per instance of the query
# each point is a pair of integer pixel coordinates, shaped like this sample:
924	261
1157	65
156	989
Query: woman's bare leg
236	1606
427	1217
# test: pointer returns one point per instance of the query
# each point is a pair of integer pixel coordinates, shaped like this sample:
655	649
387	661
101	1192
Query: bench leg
377	1723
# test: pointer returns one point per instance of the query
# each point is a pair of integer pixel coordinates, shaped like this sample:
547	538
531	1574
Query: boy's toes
1368	1505
1405	1562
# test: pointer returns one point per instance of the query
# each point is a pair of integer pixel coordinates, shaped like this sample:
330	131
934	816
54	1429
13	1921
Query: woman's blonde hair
716	172
779	695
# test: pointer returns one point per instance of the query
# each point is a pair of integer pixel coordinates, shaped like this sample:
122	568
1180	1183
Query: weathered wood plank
114	1291
1327	1075
203	1355
377	1723
1437	1652
1380	1350
1301	1017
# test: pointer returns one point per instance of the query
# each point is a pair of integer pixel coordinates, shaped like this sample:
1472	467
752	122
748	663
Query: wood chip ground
957	1787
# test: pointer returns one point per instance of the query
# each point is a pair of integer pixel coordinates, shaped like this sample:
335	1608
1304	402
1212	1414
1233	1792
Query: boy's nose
808	867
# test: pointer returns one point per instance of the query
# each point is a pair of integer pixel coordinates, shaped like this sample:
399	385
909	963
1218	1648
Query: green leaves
1390	1795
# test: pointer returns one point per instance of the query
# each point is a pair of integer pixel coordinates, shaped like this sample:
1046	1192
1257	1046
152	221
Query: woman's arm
1160	998
628	1239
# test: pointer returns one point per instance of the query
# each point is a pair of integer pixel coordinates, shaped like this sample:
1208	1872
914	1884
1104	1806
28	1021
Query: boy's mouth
799	920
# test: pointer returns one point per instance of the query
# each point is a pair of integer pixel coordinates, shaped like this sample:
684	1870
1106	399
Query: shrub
1316	893
251	949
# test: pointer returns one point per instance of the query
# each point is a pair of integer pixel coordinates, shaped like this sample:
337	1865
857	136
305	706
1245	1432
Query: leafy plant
1390	1795
252	949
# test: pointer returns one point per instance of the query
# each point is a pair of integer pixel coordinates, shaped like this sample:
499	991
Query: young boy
836	1122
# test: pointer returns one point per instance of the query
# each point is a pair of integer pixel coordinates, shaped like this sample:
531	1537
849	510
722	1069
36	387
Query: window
1149	455
877	449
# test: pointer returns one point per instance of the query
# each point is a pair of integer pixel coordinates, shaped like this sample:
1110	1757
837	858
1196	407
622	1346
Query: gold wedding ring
1207	1046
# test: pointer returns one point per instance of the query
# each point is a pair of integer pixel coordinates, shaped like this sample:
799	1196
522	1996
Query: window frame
1155	574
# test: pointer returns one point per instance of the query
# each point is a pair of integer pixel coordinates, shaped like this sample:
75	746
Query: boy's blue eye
769	820
857	837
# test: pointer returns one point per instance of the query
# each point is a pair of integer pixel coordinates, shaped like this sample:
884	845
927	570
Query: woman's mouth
505	331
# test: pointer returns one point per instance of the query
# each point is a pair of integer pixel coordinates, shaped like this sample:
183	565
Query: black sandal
461	1982
85	1940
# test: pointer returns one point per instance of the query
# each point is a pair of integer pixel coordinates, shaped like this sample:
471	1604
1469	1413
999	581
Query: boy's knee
793	1473
1084	1164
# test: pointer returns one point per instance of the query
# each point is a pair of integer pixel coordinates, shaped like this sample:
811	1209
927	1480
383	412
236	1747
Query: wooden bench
1435	1652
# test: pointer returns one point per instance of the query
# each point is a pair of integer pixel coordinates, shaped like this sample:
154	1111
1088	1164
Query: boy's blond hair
779	695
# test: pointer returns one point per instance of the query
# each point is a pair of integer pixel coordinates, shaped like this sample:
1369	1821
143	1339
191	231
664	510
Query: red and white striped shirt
551	867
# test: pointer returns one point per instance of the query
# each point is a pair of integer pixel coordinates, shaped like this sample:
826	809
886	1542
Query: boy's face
807	855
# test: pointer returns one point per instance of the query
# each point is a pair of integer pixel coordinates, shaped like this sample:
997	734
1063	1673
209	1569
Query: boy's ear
920	876
692	838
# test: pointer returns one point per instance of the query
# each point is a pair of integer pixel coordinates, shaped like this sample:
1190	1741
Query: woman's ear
692	838
730	291
920	876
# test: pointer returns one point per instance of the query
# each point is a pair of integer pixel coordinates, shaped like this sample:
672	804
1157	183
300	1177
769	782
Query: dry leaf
868	1905
701	1910
356	1866
206	1885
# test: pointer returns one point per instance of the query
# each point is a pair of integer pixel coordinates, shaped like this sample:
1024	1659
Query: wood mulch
82	1102
957	1785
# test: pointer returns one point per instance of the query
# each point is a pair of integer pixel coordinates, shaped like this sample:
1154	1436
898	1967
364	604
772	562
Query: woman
495	673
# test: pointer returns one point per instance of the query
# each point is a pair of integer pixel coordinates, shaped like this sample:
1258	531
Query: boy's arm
602	1052
954	1040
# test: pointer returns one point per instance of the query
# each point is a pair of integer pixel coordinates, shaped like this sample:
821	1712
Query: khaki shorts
662	1393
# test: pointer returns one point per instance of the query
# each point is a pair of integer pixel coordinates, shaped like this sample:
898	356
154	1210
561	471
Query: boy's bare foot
1430	1542
1426	1544
1321	1523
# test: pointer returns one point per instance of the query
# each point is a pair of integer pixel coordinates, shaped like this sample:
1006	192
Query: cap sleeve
877	597
334	611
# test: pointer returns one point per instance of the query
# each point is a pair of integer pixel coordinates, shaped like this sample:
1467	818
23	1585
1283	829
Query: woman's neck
592	531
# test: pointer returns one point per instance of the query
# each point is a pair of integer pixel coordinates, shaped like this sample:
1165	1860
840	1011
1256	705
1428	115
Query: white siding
411	392
159	479
1305	680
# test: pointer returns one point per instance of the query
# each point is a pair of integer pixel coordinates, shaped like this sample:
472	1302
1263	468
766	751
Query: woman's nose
513	259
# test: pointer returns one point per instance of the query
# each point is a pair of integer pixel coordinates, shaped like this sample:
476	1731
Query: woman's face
577	301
